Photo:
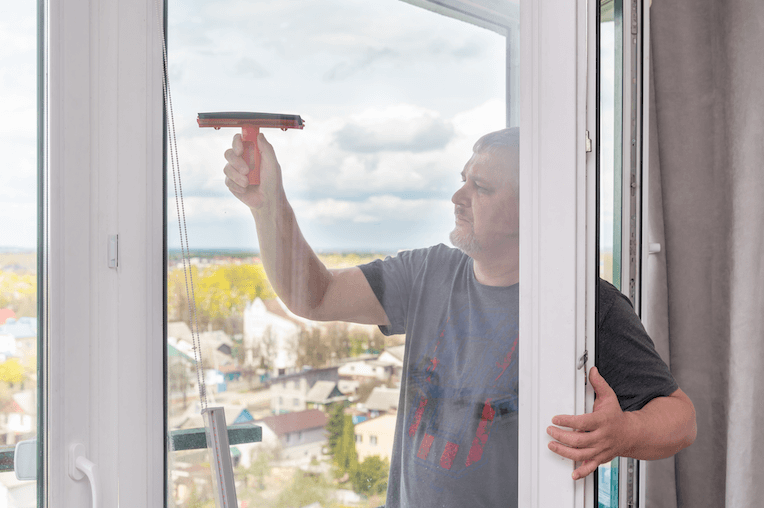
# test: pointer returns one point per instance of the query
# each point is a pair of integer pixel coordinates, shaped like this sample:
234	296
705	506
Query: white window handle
80	467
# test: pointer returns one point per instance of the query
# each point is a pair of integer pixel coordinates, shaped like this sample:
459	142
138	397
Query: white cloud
397	128
374	209
314	164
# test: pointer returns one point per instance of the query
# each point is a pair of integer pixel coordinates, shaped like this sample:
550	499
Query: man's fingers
235	176
234	187
573	439
587	457
585	422
586	468
266	149
237	145
574	454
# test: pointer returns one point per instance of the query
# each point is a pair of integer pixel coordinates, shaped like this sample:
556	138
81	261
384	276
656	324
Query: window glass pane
18	241
393	98
611	121
610	182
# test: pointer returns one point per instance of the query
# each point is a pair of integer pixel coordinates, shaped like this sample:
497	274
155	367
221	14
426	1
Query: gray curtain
706	286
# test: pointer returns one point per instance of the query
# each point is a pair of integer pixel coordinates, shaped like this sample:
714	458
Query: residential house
322	394
271	335
216	345
7	346
393	356
18	417
375	437
382	400
365	370
300	437
24	330
289	393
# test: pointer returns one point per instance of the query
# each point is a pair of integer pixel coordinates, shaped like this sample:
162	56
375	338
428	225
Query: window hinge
588	142
582	365
582	361
113	251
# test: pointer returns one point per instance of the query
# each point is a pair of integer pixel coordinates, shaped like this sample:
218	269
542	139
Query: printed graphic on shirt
465	381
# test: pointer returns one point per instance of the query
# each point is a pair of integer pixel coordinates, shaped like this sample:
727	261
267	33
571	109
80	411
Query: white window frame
105	326
104	177
558	273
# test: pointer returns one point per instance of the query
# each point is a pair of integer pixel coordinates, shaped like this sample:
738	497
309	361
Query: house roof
396	351
294	422
215	337
6	314
172	351
229	368
383	399
179	330
309	374
12	407
20	328
322	391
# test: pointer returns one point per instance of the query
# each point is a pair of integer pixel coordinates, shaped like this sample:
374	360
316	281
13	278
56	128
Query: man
456	432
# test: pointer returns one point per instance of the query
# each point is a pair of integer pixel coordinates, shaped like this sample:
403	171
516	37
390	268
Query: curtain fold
661	482
708	141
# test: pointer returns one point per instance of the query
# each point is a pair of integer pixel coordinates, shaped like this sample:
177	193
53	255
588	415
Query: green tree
377	341
259	468
221	292
335	426
312	349
304	490
345	456
197	500
12	372
18	291
338	339
371	476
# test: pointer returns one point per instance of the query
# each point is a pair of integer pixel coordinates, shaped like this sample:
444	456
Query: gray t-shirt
456	432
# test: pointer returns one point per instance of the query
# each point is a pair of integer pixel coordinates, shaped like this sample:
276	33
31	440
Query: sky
393	98
18	128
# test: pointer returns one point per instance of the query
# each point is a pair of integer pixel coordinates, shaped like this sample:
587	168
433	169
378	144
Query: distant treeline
175	255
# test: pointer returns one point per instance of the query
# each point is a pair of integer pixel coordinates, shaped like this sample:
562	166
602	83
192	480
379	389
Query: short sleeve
391	280
626	355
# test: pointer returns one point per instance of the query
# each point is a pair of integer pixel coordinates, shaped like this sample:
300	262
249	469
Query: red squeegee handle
251	153
250	124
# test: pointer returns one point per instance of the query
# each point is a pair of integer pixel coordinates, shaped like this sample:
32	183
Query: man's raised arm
300	279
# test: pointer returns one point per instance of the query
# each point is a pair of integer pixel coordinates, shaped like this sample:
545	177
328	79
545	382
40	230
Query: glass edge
42	245
618	145
165	401
597	225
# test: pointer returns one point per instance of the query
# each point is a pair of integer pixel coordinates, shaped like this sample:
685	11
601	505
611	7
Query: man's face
486	205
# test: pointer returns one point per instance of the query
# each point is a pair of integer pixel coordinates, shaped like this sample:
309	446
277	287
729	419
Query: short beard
467	243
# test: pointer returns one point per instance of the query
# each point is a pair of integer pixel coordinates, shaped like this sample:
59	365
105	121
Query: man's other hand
236	170
597	437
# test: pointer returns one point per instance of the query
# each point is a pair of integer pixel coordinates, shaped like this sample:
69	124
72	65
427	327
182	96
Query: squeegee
250	124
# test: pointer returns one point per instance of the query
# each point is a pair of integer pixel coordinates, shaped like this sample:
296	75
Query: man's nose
459	197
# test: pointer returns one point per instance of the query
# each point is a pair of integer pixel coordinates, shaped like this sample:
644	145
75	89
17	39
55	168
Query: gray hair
508	138
501	144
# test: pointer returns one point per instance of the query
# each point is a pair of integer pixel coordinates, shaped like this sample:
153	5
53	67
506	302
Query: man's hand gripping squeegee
250	124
